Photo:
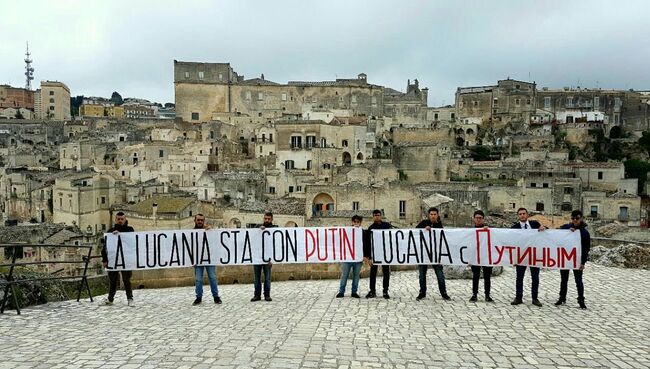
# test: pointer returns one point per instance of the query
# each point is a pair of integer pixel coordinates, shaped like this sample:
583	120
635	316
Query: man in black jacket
377	223
577	223
257	269
524	223
479	222
432	221
121	226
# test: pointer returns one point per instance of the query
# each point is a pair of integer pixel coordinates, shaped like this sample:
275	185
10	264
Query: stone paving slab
306	327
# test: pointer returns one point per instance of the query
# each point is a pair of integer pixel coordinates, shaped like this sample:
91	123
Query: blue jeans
345	270
257	276
440	275
212	277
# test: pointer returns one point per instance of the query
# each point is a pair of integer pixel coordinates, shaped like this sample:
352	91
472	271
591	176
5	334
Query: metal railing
12	283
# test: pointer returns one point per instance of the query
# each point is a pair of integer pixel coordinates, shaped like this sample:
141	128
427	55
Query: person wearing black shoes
577	223
257	269
199	223
479	222
354	266
121	226
524	223
377	223
432	221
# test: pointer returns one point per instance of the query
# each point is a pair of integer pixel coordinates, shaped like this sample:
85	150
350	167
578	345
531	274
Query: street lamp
154	211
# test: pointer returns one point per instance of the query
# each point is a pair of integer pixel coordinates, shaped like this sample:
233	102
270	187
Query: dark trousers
385	270
440	275
476	275
113	279
257	279
519	285
564	281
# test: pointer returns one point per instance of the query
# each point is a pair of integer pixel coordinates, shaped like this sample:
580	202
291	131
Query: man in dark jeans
479	222
524	223
432	221
377	223
577	223
121	226
257	269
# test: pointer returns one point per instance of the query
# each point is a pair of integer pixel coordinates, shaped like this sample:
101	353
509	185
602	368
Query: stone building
233	187
85	200
81	155
205	89
161	212
52	101
509	100
16	97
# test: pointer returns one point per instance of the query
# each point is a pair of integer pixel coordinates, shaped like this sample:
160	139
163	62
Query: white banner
174	249
556	249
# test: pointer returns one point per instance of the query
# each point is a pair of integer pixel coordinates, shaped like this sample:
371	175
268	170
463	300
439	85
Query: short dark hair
199	215
433	208
520	209
576	213
119	214
268	214
376	211
479	212
357	217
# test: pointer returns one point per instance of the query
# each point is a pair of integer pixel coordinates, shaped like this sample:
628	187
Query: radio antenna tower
29	70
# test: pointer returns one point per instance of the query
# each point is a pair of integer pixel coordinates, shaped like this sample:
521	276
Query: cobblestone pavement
305	326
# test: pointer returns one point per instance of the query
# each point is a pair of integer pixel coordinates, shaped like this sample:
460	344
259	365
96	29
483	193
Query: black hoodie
116	227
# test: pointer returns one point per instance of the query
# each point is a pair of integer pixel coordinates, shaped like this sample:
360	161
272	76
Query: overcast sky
97	47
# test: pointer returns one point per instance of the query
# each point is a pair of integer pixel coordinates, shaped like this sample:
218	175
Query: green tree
481	153
635	168
116	98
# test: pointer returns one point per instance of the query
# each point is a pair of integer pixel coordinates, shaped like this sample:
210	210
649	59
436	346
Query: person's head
522	214
356	220
199	220
120	218
433	214
479	218
576	217
376	216
268	217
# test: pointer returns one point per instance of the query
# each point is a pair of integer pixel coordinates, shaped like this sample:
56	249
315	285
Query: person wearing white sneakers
121	226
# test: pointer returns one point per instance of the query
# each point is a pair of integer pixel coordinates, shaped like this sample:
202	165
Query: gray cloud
99	47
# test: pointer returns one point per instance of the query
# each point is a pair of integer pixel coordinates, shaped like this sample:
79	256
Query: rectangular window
533	184
596	102
569	102
187	75
260	96
220	76
617	102
600	175
195	116
201	75
355	205
270	137
284	97
51	93
547	102
594	211
271	189
495	102
51	100
568	190
539	206
310	141
161	153
298	188
402	209
296	142
290	189
103	200
545	185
